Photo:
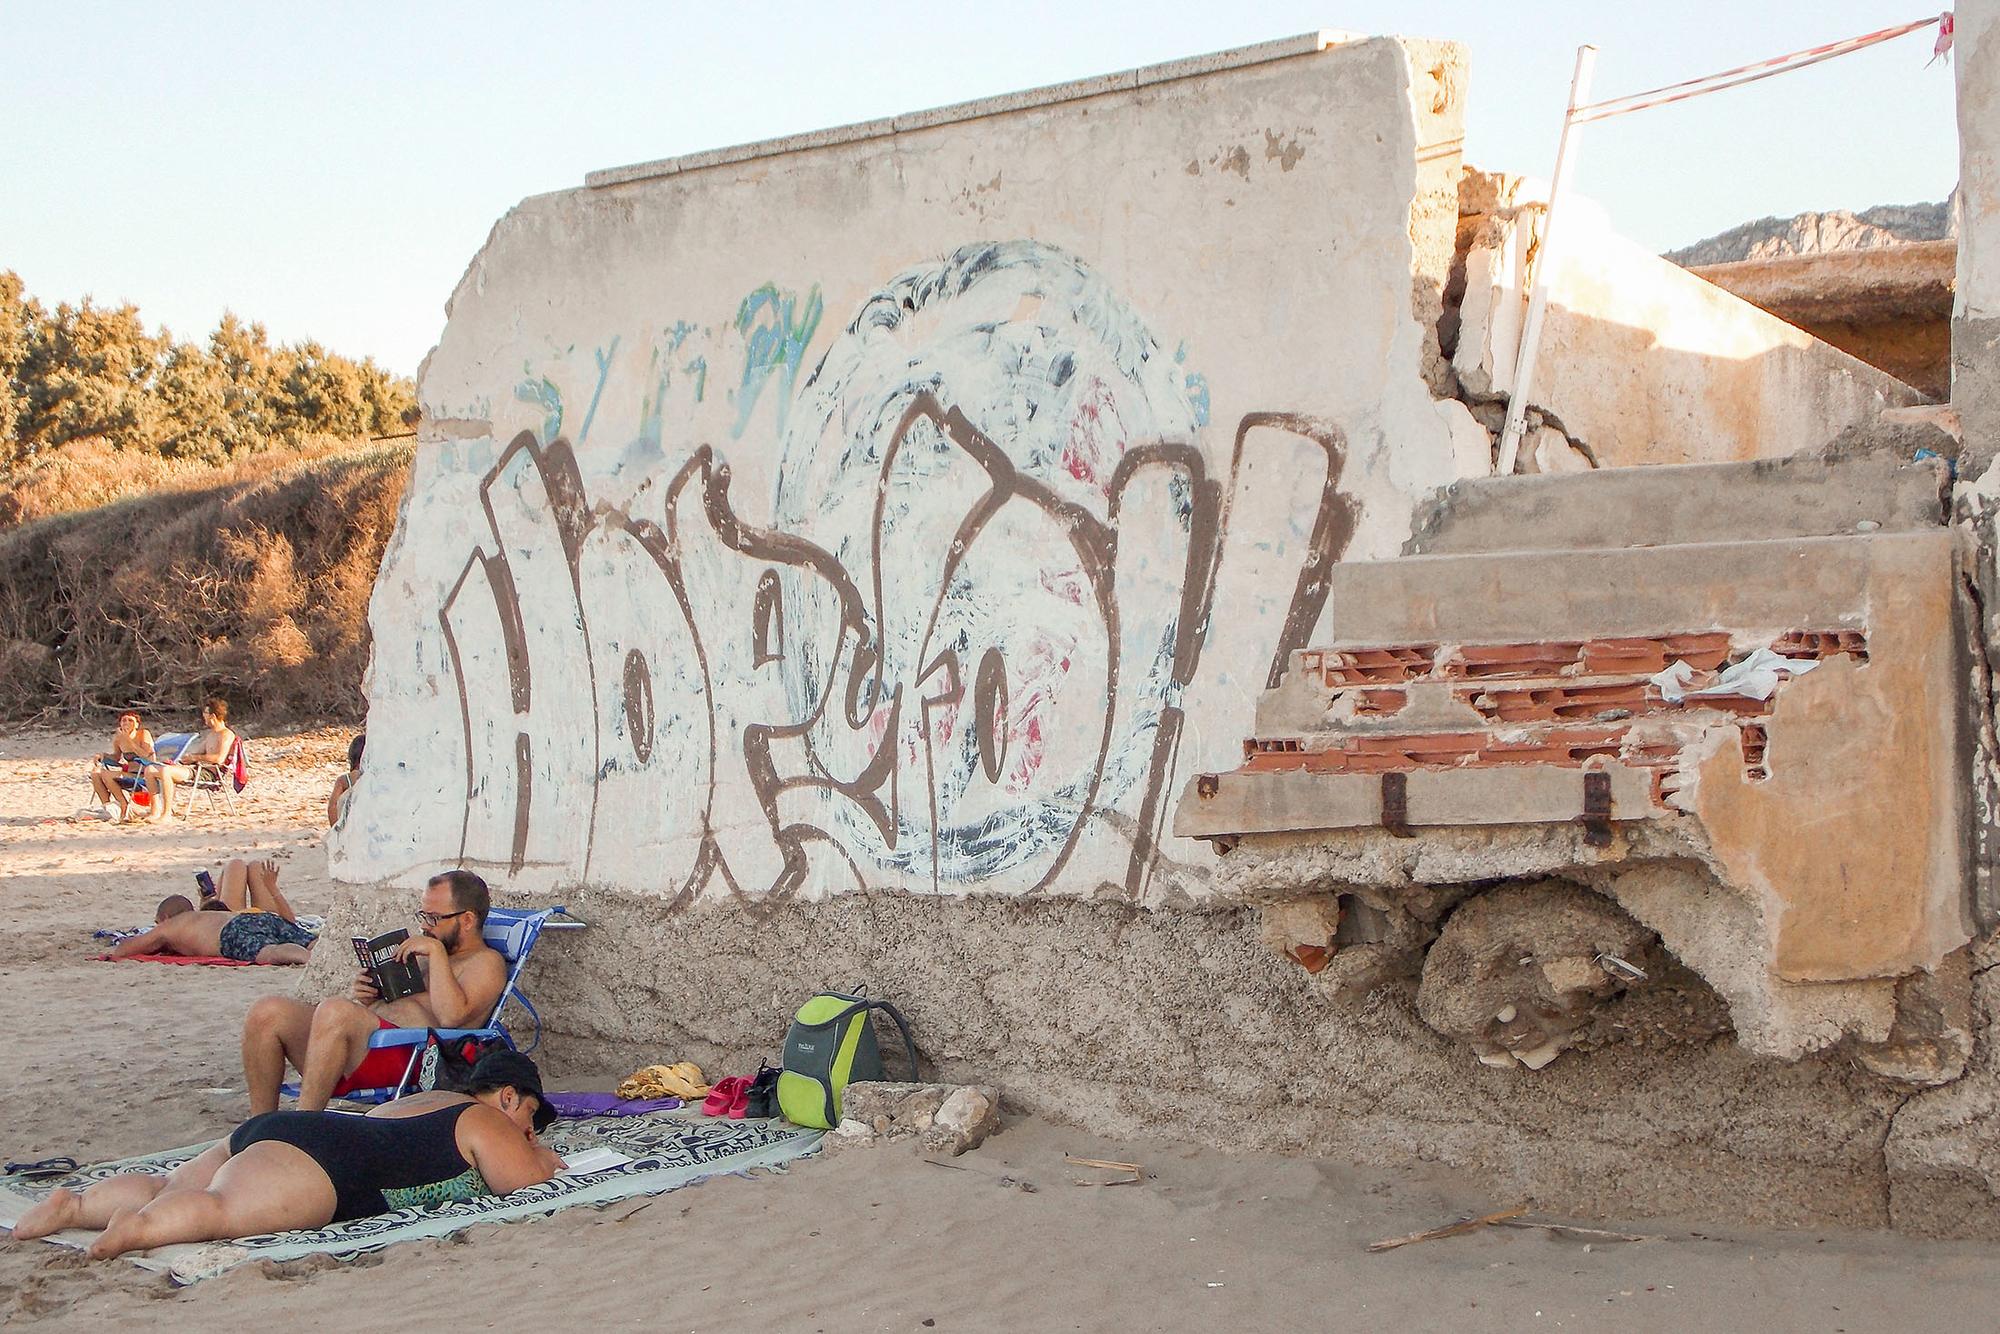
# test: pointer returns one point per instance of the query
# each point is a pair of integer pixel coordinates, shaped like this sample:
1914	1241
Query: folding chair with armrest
511	931
215	776
166	750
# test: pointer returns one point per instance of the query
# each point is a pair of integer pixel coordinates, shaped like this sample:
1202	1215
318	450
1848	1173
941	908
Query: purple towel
607	1104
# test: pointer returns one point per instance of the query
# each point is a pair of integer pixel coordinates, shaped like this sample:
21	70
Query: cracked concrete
1183	1023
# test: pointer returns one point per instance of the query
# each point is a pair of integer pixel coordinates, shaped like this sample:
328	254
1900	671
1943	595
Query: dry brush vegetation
181	518
256	586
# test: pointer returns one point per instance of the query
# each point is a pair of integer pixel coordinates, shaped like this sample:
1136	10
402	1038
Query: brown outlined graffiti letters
956	656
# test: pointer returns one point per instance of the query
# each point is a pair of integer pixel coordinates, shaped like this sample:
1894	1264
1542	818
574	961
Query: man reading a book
328	1043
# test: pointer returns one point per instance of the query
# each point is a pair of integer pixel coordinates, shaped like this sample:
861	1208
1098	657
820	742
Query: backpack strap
916	1076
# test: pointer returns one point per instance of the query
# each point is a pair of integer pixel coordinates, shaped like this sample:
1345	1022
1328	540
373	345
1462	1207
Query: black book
393	978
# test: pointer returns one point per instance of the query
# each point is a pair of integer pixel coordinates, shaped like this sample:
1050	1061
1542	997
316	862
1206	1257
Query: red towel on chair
242	775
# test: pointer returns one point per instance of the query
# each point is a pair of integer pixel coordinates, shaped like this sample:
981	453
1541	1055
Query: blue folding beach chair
166	750
511	931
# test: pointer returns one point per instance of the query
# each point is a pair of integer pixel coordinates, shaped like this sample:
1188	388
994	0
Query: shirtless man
328	1043
247	937
211	747
131	748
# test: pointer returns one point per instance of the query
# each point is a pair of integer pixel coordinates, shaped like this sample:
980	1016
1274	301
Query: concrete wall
908	506
1643	363
1975	354
1889	305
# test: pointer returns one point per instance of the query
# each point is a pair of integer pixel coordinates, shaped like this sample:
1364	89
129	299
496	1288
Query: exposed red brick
1550	703
1822	644
1646	654
1755	739
1311	957
1370	666
1417	743
1502	661
1380	702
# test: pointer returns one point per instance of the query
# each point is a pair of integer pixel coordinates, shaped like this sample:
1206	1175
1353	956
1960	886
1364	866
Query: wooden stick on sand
1451	1229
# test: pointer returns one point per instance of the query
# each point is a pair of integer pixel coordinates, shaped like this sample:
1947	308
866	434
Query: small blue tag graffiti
775	333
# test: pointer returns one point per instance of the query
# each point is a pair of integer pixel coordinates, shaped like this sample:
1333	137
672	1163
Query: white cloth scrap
1755	677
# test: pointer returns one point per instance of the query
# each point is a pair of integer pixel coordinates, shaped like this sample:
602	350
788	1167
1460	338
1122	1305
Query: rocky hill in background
1818	233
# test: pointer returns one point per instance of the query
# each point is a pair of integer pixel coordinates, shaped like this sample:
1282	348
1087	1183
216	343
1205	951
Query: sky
330	170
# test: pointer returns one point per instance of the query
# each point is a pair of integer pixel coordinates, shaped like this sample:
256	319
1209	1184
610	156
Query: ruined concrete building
1041	558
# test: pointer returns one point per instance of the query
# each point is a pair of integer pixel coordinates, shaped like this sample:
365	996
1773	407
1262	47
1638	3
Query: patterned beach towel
664	1150
200	960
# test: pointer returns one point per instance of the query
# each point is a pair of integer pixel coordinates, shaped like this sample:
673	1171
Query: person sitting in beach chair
267	933
131	749
216	745
328	1043
286	1170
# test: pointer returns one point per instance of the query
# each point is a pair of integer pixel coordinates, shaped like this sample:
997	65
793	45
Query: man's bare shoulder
483	960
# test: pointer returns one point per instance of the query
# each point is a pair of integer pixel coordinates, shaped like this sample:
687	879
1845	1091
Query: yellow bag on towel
681	1080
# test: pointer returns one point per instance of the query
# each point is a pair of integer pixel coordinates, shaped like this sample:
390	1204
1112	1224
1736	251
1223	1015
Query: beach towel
241	774
612	1158
205	960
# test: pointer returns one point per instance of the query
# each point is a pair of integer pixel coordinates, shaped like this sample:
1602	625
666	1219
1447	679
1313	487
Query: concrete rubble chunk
941	1118
1516	971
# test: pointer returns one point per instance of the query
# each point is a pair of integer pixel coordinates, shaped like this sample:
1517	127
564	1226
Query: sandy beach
116	1059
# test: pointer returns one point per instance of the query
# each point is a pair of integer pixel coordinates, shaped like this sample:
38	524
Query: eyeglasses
428	920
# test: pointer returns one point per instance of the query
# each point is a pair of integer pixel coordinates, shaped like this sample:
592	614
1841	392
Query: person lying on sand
285	1170
247	887
247	937
131	747
328	1043
211	747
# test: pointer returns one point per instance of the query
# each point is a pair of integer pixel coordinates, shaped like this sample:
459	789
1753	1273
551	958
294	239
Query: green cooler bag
830	1045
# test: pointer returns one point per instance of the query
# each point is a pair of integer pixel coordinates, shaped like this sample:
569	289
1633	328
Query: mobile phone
207	883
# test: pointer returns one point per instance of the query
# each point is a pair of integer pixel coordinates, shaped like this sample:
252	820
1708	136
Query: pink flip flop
727	1093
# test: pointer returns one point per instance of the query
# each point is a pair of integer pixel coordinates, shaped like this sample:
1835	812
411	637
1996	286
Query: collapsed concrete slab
1778	721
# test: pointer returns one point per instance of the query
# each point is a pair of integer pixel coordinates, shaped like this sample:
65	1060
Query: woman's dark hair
354	749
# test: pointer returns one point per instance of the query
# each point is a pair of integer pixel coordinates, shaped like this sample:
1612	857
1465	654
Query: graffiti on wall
962	643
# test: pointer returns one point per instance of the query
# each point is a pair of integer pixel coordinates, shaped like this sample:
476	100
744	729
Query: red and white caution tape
1763	69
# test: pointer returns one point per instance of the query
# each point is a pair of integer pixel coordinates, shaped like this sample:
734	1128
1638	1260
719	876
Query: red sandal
727	1095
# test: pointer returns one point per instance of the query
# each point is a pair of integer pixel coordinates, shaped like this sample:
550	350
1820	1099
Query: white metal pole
1538	292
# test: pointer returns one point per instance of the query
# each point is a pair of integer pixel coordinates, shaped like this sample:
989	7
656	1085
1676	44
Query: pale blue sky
330	170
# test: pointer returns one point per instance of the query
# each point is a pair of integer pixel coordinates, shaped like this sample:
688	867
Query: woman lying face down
286	1170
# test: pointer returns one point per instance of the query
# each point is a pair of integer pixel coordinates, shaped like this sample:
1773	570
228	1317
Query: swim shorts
381	1068
245	935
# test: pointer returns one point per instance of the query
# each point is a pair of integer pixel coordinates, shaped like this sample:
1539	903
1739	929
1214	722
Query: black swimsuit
363	1156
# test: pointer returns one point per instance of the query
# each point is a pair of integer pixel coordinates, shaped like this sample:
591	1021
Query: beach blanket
613	1158
205	960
